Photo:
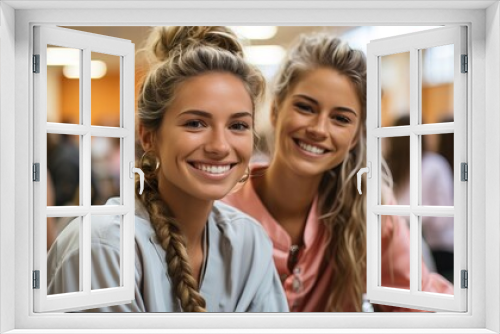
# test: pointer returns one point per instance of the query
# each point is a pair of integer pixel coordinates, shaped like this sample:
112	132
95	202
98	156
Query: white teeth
212	169
310	148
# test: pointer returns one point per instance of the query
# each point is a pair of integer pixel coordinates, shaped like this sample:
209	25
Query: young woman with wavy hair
193	253
306	197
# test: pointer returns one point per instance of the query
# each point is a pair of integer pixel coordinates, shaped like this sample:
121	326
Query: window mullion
86	166
414	169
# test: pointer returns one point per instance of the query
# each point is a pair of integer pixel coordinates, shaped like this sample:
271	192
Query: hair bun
166	42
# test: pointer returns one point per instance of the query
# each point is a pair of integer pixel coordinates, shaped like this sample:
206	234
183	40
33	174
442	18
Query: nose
317	130
217	145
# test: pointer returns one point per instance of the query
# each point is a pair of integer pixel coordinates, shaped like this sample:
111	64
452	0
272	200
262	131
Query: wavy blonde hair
177	54
342	210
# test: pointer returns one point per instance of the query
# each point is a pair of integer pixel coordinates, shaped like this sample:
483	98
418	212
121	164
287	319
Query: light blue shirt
239	273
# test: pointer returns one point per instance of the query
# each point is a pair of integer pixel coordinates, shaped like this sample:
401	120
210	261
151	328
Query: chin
307	168
213	193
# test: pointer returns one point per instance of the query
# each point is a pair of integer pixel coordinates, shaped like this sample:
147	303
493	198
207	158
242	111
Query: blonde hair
342	210
177	54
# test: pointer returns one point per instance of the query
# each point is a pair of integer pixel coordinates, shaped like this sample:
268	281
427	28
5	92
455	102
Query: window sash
87	43
413	298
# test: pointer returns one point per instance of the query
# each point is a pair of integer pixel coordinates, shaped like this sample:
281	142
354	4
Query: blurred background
265	47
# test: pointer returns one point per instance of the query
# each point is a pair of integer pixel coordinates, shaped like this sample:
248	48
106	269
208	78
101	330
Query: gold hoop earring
246	176
147	166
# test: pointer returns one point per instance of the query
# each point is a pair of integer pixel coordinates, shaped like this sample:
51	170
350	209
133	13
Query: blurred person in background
437	189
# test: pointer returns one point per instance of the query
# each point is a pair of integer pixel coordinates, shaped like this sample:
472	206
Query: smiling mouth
212	169
316	150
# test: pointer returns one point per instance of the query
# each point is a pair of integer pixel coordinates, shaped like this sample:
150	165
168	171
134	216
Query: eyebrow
316	103
209	115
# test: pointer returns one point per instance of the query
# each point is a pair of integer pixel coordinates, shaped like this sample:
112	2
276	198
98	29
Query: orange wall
105	101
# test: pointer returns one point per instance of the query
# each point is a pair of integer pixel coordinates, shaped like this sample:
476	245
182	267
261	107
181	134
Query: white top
437	190
239	275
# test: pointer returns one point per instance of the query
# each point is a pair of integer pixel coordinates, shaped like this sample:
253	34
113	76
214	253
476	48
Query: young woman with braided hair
306	197
193	253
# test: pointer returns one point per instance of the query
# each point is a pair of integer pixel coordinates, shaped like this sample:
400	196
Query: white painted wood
406	130
245	4
491	162
419	210
482	105
7	168
86	298
412	43
80	130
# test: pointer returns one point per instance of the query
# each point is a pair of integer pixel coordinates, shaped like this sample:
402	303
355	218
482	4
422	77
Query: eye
304	107
239	126
194	123
341	119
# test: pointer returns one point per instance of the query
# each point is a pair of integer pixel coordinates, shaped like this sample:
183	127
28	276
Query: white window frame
412	44
483	123
87	43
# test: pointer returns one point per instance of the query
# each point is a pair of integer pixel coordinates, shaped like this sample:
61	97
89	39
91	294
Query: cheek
350	139
243	145
288	123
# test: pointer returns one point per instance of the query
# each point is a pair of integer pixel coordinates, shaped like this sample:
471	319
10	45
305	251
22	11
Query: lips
312	149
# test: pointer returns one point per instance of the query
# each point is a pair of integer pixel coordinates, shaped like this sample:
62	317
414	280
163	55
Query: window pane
396	152
105	175
63	243
437	236
63	85
105	87
394	227
395	84
106	251
437	84
63	168
437	174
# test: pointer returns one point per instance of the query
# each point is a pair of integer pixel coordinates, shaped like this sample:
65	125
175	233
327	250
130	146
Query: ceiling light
97	70
264	54
255	32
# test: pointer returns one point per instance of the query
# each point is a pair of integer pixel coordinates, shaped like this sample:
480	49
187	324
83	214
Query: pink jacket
306	288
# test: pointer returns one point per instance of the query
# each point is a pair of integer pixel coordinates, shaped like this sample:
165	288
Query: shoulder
225	214
238	226
432	160
106	229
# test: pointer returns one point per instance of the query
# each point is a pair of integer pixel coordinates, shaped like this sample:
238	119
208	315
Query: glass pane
437	175
63	85
63	170
437	243
105	176
394	227
105	87
396	152
105	251
437	84
395	84
63	258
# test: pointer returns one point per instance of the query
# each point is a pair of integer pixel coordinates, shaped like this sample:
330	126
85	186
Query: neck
287	196
191	213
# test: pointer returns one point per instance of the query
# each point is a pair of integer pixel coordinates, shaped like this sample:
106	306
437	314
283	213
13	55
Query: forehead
212	91
325	82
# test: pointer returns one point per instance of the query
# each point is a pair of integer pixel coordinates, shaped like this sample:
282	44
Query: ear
147	138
